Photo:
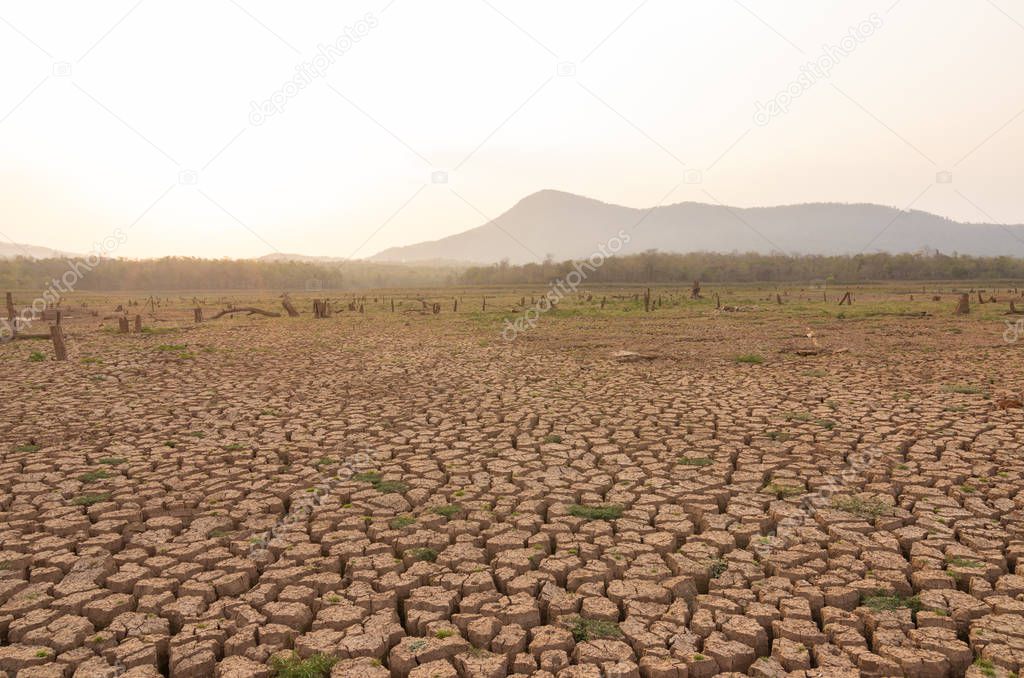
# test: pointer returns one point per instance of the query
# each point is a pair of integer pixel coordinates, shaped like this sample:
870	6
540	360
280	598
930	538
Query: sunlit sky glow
137	114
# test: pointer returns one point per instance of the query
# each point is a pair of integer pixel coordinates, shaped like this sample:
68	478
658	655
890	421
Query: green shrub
749	359
594	629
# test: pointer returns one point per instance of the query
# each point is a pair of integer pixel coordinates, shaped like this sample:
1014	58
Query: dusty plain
765	489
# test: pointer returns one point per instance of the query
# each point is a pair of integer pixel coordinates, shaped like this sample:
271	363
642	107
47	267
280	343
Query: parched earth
412	496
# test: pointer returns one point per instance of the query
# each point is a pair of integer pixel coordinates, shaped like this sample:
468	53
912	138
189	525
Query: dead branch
251	310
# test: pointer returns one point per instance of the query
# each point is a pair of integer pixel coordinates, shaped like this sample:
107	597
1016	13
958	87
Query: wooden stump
647	300
484	306
695	290
138	323
1013	309
11	313
847	299
122	325
60	350
392	304
603	299
455	306
778	299
436	308
198	313
718	301
963	307
286	302
361	309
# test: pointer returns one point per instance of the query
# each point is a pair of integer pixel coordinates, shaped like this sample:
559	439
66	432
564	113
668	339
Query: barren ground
410	495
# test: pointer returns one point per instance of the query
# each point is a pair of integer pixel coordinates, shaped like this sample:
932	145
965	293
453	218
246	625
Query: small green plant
444	633
427	554
605	512
814	373
749	359
696	461
234	447
111	461
717	568
91	360
401	522
416	645
964	389
986	667
93	476
27	447
170	443
90	499
448	511
36	357
293	666
42	654
553	438
698	657
171	347
594	629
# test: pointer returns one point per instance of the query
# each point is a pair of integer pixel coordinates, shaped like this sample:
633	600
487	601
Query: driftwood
963	307
251	310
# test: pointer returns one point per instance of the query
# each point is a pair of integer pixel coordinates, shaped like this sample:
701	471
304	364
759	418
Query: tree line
186	273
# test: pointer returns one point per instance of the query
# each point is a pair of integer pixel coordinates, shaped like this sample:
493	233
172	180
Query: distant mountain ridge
568	226
13	250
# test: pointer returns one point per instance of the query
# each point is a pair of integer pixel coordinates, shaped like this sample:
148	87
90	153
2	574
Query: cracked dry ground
532	510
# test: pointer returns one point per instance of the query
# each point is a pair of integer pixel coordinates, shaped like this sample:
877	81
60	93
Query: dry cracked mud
411	496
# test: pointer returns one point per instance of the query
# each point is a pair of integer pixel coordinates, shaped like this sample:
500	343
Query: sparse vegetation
606	512
749	359
315	666
584	630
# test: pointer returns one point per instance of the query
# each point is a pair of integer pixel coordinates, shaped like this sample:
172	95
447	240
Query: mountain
12	250
569	226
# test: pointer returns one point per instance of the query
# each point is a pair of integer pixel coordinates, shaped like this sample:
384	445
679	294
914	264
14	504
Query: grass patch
958	561
606	512
862	508
171	347
884	603
593	629
424	553
964	389
379	484
233	447
717	568
553	439
36	357
316	666
986	667
695	461
90	499
401	522
27	447
91	360
448	511
93	476
749	359
782	491
112	461
444	633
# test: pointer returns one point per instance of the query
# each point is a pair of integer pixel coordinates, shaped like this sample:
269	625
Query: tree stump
392	304
455	306
603	299
138	323
695	290
122	324
963	307
197	312
436	308
286	302
778	299
718	301
647	300
847	299
11	313
362	309
60	350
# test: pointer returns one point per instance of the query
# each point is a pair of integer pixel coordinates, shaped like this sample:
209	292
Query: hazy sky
140	114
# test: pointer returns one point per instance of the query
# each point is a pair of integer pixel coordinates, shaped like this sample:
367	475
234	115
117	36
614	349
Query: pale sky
135	114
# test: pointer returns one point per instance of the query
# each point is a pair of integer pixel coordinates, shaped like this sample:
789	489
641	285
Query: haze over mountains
568	226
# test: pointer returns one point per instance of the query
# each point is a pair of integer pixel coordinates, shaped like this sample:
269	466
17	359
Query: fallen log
251	310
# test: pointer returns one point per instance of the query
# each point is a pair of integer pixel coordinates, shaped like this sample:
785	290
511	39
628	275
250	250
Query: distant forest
179	273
